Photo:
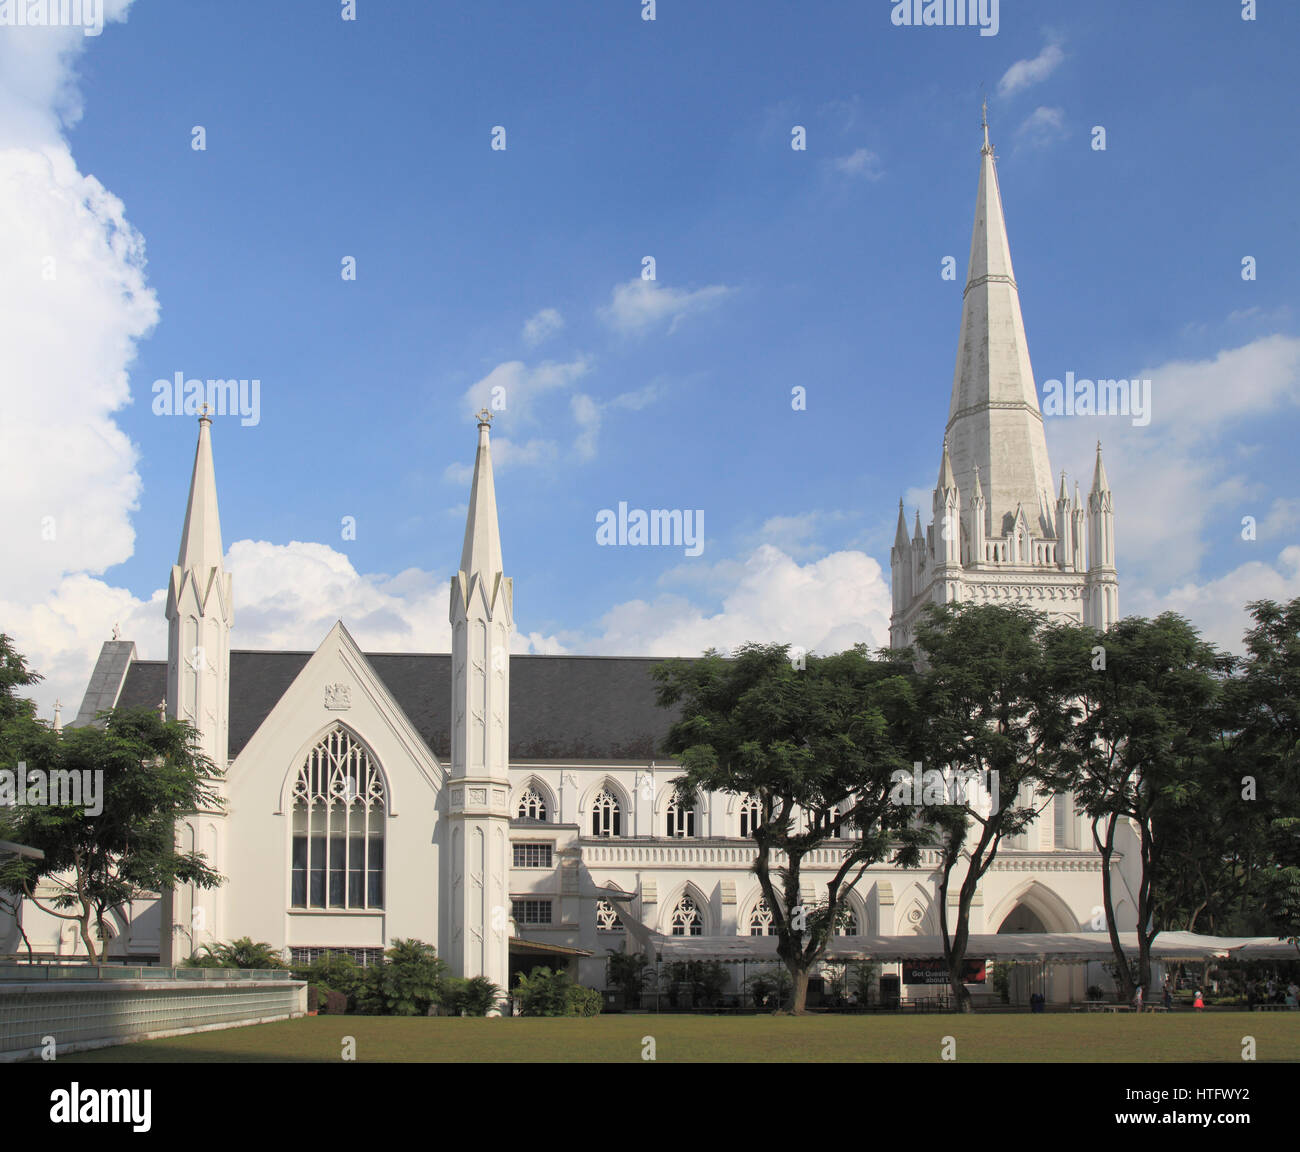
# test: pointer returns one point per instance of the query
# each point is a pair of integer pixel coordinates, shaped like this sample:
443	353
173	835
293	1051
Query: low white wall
94	1014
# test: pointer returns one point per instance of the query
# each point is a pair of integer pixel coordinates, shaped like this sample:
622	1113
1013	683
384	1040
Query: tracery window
846	923
339	807
687	920
681	820
750	814
531	806
760	920
606	918
606	816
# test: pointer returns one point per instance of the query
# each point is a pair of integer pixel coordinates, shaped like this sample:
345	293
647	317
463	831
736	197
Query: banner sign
936	971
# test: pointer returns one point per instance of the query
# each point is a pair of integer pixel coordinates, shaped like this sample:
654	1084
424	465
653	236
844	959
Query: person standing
1167	997
1198	1003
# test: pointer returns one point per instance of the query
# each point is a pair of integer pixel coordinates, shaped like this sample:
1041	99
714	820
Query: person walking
1198	1003
1167	997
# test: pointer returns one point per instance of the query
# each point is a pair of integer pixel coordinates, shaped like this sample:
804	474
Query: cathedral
515	810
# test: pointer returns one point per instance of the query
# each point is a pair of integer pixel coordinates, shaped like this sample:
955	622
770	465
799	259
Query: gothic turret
1101	590
481	614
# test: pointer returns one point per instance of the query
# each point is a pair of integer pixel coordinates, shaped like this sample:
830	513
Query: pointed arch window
532	805
847	923
339	805
760	919
687	920
606	815
751	812
681	819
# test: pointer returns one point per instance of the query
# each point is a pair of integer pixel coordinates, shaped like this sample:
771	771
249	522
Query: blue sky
775	268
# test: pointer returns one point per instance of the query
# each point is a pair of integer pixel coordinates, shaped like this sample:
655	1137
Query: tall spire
1099	481
482	550
900	537
201	536
994	420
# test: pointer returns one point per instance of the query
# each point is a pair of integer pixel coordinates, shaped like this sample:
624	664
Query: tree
1263	702
996	715
18	728
818	746
1145	730
150	773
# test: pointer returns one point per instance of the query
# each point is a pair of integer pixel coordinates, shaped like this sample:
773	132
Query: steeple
900	536
200	613
993	419
201	536
482	550
481	615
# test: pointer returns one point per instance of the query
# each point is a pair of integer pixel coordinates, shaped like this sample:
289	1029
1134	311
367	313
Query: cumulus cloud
1218	607
640	304
542	324
1025	73
825	605
74	302
1183	481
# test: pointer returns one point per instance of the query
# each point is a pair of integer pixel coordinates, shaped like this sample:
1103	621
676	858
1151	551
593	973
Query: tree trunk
799	991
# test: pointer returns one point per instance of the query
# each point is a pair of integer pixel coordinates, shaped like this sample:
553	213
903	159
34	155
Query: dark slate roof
561	707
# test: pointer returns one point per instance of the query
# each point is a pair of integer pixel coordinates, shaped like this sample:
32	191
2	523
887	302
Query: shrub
474	997
241	953
336	970
332	1002
405	983
582	1001
546	993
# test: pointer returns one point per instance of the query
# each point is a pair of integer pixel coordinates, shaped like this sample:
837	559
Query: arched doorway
1025	978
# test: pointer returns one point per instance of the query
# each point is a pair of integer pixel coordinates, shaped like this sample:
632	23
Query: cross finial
203	412
484	418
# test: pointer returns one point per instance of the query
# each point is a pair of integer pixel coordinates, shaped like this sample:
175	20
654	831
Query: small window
750	812
531	806
531	911
681	820
532	855
606	817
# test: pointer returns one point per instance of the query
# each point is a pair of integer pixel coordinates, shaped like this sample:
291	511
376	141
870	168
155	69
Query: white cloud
825	605
512	389
1188	469
1218	607
1042	125
1024	73
542	324
860	162
589	414
639	304
74	302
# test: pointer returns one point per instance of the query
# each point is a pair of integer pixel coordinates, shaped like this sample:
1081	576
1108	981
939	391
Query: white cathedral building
493	805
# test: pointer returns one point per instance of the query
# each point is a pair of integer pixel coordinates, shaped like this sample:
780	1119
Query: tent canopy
1056	947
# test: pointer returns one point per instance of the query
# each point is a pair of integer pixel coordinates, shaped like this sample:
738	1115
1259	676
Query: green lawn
745	1039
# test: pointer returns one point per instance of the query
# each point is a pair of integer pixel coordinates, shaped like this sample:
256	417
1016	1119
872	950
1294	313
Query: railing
12	970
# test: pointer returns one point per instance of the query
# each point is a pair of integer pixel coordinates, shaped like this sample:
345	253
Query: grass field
745	1039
